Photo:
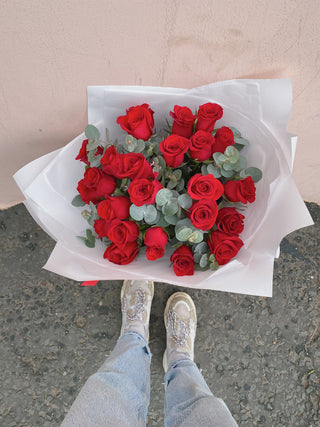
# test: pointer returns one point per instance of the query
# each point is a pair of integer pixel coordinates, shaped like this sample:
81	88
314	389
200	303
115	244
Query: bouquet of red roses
178	189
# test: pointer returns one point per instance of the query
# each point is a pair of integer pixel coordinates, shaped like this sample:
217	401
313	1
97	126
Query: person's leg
188	399
118	394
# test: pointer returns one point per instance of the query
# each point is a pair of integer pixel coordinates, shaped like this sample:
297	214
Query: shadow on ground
261	355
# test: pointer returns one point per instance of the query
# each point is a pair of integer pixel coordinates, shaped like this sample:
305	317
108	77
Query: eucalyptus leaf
161	222
204	170
183	234
137	212
196	236
171	185
213	170
92	133
203	261
171	207
150	214
77	201
227	174
241	164
235	132
163	196
171	219
227	167
201	248
241	141
185	201
255	173
180	185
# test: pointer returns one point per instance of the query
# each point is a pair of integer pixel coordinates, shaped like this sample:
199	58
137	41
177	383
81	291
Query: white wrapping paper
259	109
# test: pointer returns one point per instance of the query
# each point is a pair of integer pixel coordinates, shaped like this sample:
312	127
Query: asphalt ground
261	355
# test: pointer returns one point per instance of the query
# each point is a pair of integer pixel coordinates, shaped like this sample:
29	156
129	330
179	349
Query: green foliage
255	173
92	133
148	213
77	201
133	145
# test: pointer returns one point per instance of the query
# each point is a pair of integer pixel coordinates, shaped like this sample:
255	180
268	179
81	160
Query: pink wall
51	50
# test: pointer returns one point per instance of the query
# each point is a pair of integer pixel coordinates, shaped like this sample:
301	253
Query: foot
136	299
180	320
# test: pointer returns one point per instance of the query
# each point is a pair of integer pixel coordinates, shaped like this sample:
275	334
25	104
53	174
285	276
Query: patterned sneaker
136	299
180	319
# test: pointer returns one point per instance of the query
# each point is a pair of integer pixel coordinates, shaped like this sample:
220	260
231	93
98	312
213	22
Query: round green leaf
255	173
203	261
171	207
196	236
185	201
183	234
163	196
137	212
92	132
150	214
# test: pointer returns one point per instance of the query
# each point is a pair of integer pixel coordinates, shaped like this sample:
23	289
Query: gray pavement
261	355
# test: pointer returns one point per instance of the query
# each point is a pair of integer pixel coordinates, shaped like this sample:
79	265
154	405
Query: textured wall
51	50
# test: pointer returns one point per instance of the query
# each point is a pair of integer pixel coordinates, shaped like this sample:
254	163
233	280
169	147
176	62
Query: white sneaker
136	299
180	319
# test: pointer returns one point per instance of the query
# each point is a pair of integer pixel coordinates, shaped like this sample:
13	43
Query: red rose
201	145
122	256
138	122
155	239
208	114
203	214
122	232
240	191
230	221
135	166
173	149
114	207
183	121
101	227
83	154
155	236
112	162
224	246
154	252
183	261
143	191
95	185
204	187
222	139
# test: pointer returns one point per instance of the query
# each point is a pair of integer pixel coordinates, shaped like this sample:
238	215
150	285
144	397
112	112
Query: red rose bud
230	221
155	239
101	227
222	139
135	166
114	207
95	185
183	121
208	114
138	122
203	214
112	162
183	261
240	191
122	256
143	191
204	187
173	149
201	145
224	246
83	154
122	232
154	252
155	236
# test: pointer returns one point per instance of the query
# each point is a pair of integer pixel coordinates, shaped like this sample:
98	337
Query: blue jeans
119	393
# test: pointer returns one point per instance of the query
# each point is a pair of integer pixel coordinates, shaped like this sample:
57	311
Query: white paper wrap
259	109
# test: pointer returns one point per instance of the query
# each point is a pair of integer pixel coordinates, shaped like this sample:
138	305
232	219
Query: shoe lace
134	313
177	329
